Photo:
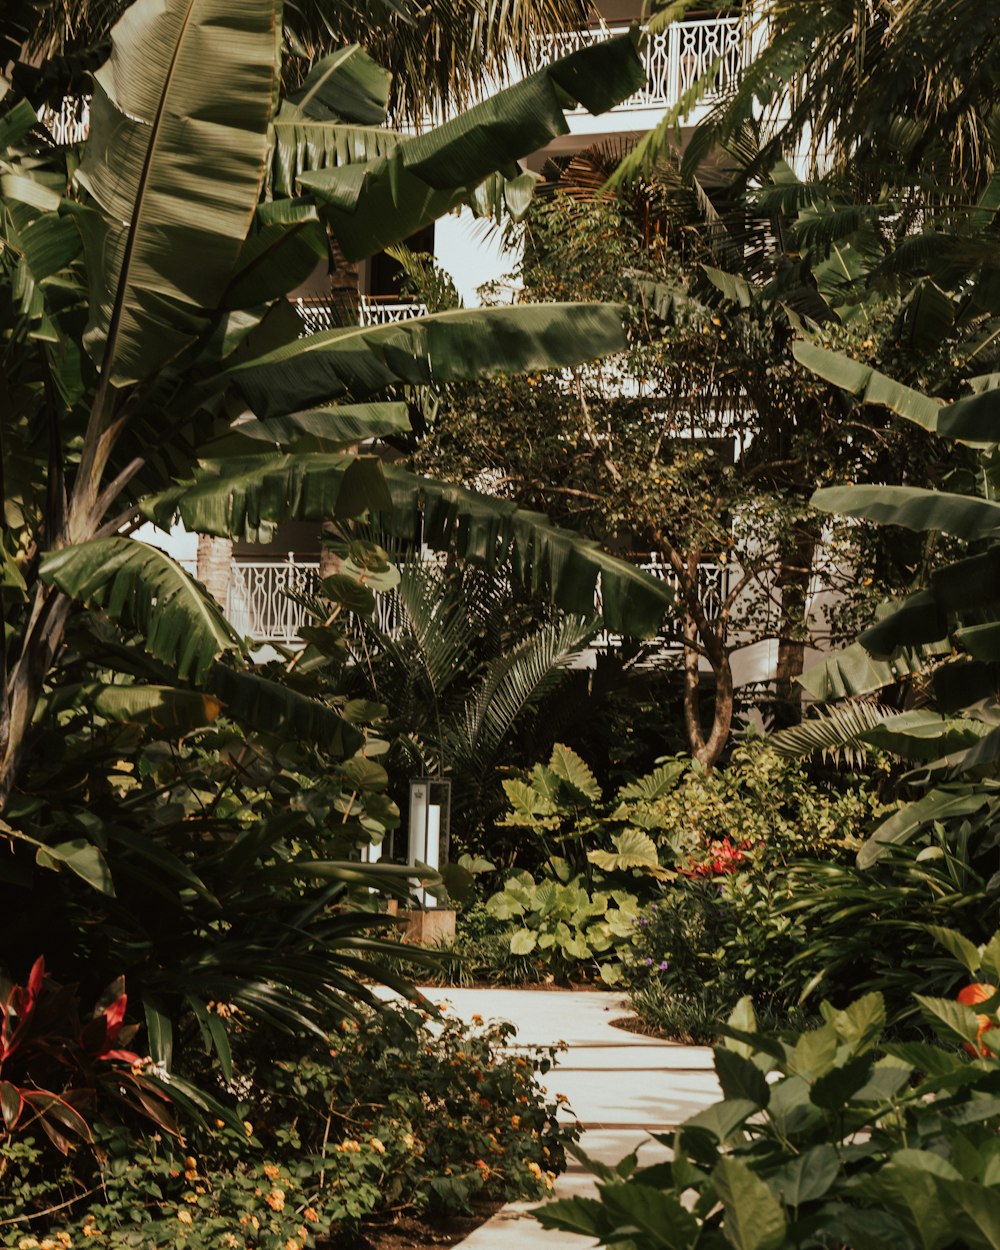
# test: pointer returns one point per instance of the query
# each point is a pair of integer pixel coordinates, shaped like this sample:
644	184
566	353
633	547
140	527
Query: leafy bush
401	1111
567	923
826	1138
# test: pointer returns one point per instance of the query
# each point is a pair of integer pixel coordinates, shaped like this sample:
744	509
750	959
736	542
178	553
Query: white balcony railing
373	310
675	58
713	586
259	602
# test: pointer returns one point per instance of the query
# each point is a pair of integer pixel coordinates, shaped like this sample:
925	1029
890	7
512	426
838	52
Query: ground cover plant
399	1111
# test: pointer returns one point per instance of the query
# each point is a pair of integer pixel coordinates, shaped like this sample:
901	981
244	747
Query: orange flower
310	1214
979	992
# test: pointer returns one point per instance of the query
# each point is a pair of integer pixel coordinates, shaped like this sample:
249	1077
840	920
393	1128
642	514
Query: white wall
470	251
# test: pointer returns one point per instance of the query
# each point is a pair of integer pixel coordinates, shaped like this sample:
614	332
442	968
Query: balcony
373	310
261	603
675	58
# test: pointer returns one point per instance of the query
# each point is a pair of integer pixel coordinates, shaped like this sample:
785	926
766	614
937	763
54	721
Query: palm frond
835	733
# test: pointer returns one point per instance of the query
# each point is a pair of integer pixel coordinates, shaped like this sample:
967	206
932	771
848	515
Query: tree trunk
793	580
215	566
706	749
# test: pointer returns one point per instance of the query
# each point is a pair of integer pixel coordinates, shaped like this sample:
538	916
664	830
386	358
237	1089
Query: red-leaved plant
53	1067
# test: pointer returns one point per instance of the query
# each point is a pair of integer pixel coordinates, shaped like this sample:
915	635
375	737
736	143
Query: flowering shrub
400	1110
722	856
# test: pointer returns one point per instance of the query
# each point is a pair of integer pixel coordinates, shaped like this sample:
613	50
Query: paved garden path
620	1085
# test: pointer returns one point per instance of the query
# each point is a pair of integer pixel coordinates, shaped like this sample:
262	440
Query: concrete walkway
621	1086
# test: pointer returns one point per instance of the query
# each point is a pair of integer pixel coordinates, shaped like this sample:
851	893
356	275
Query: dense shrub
828	1138
399	1112
726	926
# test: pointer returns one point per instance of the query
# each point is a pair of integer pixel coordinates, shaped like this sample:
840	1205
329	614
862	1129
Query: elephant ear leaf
148	591
177	180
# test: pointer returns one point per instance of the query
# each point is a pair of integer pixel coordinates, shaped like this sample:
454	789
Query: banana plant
948	630
172	812
145	318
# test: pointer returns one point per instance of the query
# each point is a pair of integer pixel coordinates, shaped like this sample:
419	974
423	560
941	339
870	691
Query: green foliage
728	924
570	923
399	1112
849	1141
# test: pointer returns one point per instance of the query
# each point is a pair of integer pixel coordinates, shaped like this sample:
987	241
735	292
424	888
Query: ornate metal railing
260	603
373	310
675	58
713	587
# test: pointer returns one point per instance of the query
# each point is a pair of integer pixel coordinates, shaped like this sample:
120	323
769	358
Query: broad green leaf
860	1024
347	85
903	825
915	508
913	1194
807	1176
979	1210
489	531
247	498
654	785
338	427
853	671
522	942
171	711
143	587
633	849
966	952
573	1215
957	1018
867	384
570	768
658	1216
153	146
754	1219
814	1053
358	362
160	1032
721	1120
82	858
273	708
740	1077
372	206
924	734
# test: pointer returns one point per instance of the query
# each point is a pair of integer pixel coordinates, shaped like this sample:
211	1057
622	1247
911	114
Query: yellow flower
64	1239
272	1171
292	1244
515	1121
27	1243
90	1230
377	1146
310	1214
229	1240
249	1128
535	1170
192	1198
185	1216
190	1174
48	1244
276	1200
